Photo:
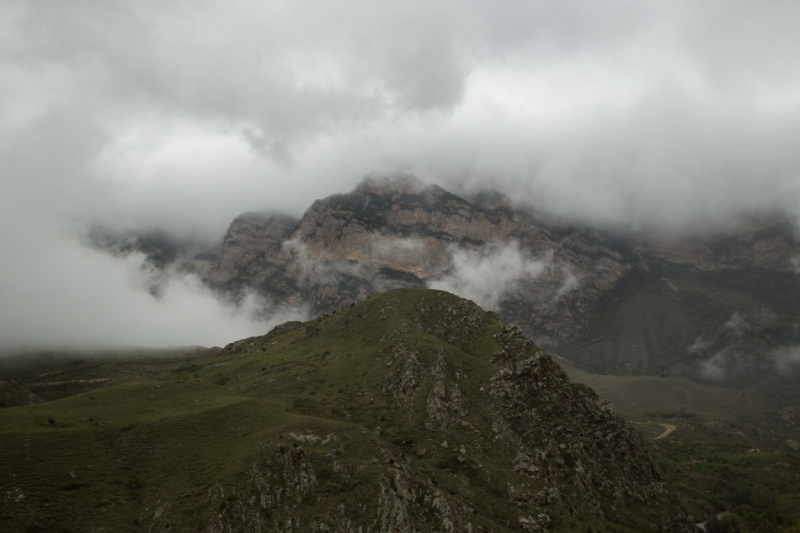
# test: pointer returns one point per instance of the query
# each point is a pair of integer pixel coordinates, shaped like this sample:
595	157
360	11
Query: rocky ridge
449	436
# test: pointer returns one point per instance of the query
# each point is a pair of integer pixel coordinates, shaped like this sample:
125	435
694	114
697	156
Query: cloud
674	117
714	368
89	299
630	114
571	282
752	343
699	346
737	324
314	271
487	274
786	359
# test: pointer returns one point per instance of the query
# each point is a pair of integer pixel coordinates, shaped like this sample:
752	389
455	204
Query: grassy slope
710	460
170	442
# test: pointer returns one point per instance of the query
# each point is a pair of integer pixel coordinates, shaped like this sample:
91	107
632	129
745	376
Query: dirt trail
668	428
56	383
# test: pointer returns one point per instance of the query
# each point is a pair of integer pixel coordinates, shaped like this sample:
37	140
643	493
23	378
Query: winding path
668	428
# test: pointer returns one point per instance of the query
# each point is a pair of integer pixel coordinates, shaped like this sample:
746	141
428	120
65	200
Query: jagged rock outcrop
531	395
458	423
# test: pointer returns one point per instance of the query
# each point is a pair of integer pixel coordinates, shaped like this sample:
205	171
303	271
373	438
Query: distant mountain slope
610	302
718	326
412	411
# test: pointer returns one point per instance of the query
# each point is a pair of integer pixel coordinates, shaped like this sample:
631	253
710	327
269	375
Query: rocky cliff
610	302
399	233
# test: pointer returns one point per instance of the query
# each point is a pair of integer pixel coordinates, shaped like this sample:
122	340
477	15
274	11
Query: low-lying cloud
751	343
487	274
320	271
787	359
79	298
678	117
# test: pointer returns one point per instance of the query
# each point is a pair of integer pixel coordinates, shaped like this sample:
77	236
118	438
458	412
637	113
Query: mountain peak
402	184
453	405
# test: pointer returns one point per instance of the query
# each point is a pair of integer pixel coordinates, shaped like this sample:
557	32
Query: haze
676	117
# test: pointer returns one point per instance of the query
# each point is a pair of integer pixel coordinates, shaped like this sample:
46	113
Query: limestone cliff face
627	303
401	226
252	250
396	233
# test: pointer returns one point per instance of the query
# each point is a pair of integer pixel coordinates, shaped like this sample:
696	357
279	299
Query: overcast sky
673	115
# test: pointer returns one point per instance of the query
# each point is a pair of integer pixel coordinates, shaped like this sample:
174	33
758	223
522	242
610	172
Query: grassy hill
413	411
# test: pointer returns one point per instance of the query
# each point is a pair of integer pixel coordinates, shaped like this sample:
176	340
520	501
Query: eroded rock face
252	251
557	282
390	233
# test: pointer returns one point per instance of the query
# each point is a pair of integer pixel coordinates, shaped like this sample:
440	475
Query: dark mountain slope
672	322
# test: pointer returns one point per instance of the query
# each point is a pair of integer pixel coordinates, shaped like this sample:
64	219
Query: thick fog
673	117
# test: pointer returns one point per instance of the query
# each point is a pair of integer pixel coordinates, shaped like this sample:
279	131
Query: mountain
713	308
412	411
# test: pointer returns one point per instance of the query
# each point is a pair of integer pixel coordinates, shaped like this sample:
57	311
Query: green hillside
413	411
720	449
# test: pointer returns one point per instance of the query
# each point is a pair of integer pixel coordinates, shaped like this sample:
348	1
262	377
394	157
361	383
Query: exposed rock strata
399	233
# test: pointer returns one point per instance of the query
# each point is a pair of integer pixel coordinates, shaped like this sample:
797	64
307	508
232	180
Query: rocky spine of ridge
505	425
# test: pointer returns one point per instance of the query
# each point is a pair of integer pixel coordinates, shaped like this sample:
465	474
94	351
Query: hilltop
414	410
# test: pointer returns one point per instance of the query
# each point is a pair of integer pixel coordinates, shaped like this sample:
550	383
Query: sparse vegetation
332	416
